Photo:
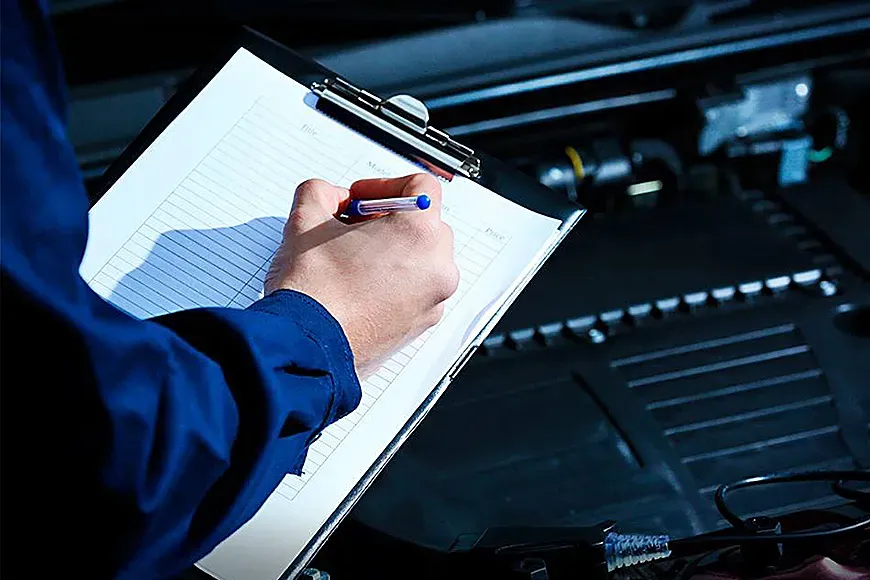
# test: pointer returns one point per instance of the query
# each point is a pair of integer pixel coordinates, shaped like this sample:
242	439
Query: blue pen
364	207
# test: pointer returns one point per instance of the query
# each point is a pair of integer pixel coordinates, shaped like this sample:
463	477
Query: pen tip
423	201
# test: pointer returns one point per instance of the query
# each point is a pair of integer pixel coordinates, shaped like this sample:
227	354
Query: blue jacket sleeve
131	448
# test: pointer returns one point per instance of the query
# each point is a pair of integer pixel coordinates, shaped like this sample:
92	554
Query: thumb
317	201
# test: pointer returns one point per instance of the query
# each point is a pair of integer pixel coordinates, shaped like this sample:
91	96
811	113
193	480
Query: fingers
427	227
317	201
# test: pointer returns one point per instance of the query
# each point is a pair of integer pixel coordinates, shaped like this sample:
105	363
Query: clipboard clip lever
403	117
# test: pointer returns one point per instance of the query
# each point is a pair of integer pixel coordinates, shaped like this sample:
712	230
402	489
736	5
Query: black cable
804	476
737	522
728	540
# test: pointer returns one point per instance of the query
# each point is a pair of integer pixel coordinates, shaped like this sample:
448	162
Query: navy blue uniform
131	448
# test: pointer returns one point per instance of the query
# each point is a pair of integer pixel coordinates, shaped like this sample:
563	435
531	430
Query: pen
363	207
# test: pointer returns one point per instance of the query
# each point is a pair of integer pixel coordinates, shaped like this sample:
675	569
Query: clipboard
400	123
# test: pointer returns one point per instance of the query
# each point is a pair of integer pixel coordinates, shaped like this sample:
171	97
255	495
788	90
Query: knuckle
455	278
427	230
435	315
295	221
448	234
446	282
423	182
309	186
435	231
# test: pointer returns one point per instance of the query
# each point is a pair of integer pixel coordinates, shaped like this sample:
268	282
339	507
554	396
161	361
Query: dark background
717	332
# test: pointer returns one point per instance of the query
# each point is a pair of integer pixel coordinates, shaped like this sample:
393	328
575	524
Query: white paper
194	222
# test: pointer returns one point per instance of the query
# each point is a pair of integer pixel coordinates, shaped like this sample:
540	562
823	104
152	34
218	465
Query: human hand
384	279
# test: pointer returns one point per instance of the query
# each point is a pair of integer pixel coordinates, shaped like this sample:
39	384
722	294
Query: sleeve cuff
308	313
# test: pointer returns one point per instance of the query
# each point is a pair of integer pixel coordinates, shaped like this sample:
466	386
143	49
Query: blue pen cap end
353	208
423	201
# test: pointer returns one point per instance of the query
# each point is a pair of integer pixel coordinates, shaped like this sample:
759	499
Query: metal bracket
403	117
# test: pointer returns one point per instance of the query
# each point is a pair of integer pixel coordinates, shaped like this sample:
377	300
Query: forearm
289	371
162	437
132	444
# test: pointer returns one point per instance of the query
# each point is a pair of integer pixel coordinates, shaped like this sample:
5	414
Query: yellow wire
576	162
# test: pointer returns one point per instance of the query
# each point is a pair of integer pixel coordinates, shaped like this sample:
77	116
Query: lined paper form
195	221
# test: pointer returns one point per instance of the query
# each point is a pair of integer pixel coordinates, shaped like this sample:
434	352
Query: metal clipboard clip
404	118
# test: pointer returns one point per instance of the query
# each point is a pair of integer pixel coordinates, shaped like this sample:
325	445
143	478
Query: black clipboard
397	124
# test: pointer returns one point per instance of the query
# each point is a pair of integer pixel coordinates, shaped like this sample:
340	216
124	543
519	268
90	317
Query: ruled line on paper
207	243
194	221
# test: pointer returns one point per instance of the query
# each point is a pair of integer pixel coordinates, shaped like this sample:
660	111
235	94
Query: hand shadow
193	268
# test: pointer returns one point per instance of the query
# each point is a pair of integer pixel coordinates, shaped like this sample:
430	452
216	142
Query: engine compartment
690	331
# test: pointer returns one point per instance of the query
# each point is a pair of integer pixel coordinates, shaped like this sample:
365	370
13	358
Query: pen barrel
362	207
